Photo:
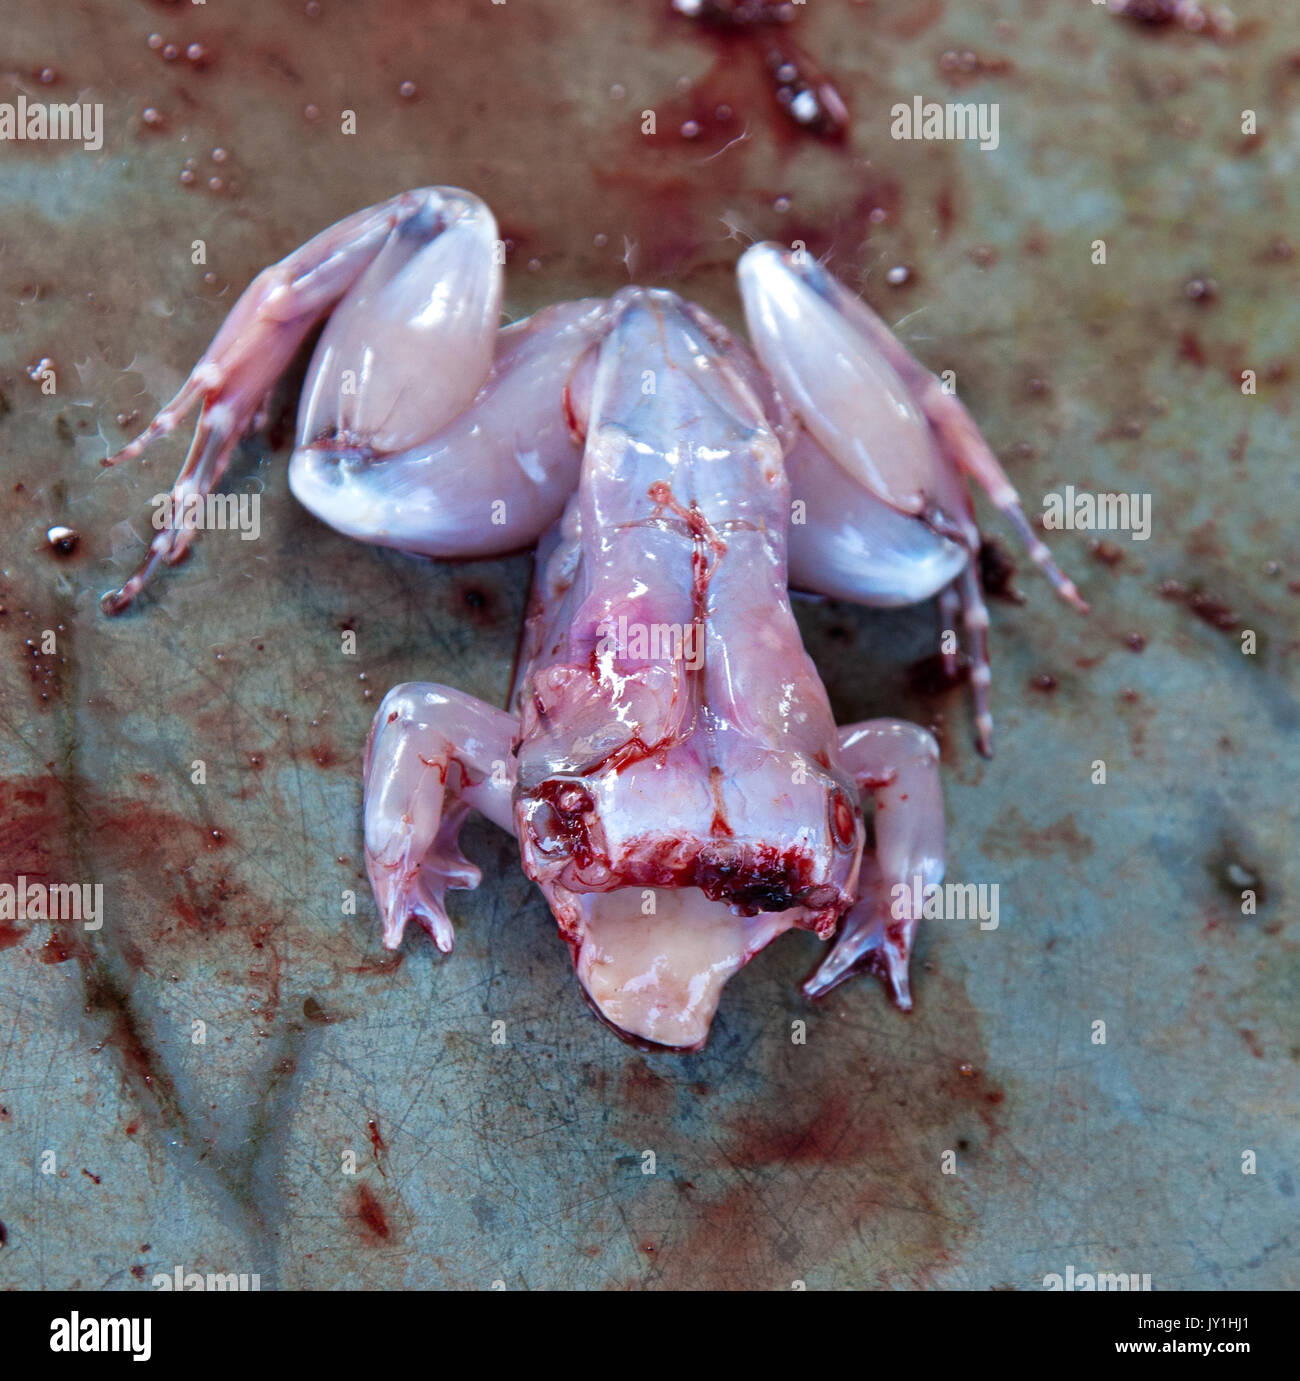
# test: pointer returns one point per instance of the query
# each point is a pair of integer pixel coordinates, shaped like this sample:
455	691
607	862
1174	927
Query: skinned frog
669	763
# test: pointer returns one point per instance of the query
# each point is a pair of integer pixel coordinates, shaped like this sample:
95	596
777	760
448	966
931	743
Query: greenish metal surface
773	1161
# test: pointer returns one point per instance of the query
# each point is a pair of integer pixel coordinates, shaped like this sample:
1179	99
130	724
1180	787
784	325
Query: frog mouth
652	962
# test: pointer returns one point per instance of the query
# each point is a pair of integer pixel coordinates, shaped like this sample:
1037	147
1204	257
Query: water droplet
62	541
151	117
1239	876
170	52
898	275
196	52
805	108
617	91
600	239
219	155
187	176
781	204
155	41
48	76
406	91
690	130
312	112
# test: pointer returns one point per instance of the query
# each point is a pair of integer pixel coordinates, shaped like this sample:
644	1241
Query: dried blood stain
825	1159
375	1229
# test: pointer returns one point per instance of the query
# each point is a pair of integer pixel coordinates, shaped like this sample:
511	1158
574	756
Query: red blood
718	827
803	92
946	211
1212	611
1205	606
937	674
846	820
571	817
324	755
1105	551
1151	11
377	1144
59	948
31	627
961	67
386	963
370	1212
38	815
479	604
997	570
1191	350
643	1090
570	416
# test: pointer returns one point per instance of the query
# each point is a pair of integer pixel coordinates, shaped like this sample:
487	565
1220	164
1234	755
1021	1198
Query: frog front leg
895	765
433	755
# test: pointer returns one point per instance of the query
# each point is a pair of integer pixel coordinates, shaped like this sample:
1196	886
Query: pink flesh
658	978
415	334
492	480
707	776
638	769
810	334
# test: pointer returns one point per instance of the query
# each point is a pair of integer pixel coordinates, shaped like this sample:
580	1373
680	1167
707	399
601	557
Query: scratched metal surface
774	1161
